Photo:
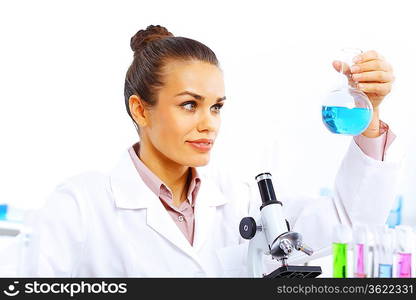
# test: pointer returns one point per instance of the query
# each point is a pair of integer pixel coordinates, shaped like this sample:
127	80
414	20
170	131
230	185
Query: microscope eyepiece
262	176
268	196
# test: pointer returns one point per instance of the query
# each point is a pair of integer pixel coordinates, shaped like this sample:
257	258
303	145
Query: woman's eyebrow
198	97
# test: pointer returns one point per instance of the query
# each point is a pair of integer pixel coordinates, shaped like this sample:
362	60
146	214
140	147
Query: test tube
385	249
404	248
341	237
360	236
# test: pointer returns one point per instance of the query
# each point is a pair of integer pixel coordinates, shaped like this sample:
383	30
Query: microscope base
295	272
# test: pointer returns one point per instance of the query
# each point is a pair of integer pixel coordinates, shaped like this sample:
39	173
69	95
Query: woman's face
185	121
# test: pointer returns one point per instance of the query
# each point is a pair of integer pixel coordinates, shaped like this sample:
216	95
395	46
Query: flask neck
345	57
340	82
345	81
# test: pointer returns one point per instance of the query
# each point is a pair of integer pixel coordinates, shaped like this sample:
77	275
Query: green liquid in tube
339	252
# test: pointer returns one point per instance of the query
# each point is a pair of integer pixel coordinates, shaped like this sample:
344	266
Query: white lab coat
112	225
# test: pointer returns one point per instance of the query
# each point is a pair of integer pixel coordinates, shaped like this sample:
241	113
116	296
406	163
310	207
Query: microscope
271	235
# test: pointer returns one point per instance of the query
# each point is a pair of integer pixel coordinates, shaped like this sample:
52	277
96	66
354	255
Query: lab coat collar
128	189
130	192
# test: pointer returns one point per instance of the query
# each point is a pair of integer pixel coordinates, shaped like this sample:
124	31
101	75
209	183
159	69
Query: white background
63	63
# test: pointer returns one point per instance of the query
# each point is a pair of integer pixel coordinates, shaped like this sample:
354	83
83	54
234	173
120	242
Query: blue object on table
325	192
3	211
395	216
385	271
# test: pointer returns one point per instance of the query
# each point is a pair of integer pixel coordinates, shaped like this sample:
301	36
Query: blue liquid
344	120
3	211
385	271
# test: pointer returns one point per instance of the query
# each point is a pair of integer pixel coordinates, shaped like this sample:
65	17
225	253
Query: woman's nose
208	122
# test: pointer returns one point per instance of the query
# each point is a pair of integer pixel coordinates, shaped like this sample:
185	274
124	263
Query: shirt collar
155	184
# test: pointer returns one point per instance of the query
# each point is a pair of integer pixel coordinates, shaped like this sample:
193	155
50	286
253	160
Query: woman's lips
201	145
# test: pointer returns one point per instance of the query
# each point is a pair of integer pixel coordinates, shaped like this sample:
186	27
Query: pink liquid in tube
404	265
360	271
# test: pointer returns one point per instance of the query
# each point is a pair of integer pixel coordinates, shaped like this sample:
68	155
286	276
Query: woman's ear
138	111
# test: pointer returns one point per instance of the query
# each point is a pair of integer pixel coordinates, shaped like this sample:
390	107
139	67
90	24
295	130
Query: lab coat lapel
204	218
130	192
209	198
160	220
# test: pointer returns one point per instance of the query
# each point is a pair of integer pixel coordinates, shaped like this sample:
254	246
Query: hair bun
151	33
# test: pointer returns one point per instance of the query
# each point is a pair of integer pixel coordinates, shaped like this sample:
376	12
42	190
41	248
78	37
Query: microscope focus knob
248	228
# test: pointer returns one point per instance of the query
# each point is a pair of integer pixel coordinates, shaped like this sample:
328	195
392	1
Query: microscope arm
255	254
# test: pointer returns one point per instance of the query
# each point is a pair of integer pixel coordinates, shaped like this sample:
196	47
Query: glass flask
346	110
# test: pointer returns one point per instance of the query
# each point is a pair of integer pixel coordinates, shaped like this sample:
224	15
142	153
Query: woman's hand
374	76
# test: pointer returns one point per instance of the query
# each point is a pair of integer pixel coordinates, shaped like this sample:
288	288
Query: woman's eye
189	105
217	107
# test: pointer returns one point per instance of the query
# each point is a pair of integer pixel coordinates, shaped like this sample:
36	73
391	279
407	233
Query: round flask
346	110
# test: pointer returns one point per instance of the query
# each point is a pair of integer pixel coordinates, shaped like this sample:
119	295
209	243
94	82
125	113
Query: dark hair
153	48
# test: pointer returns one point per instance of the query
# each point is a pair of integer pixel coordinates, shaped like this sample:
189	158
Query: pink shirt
183	215
376	147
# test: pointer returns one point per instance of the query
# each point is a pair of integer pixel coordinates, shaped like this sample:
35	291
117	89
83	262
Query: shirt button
180	218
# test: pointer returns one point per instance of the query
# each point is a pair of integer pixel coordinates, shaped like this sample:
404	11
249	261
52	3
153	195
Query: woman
156	215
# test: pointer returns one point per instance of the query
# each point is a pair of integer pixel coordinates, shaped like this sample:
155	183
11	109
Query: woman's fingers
338	66
372	65
373	76
380	89
371	71
367	56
